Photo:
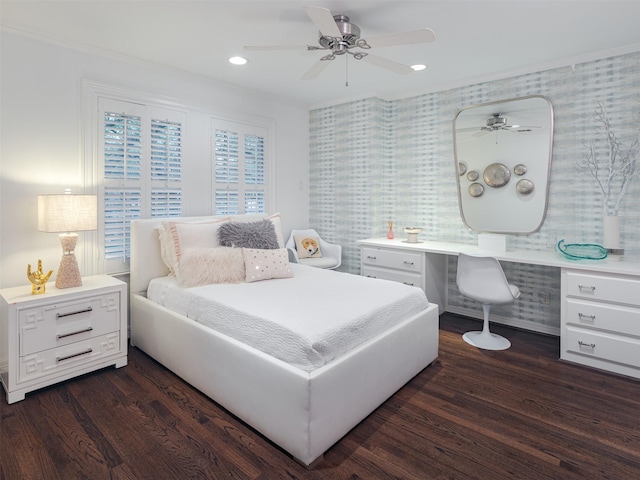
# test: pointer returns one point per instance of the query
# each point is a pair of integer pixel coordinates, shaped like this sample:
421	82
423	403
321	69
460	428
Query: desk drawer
77	354
601	345
408	278
54	325
608	288
614	318
397	259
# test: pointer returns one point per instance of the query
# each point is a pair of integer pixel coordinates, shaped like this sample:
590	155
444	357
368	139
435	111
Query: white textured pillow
178	236
203	266
277	226
266	264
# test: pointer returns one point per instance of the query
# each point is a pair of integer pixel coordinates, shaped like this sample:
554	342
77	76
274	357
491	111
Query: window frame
91	250
244	129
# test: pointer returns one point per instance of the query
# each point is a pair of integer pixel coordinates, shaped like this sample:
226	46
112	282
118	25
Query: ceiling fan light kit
339	36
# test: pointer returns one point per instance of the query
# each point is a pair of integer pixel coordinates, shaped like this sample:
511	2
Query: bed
303	406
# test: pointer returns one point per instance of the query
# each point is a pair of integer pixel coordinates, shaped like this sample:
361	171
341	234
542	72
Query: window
138	162
239	168
141	166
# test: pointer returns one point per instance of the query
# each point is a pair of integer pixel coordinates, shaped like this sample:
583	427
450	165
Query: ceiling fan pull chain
346	69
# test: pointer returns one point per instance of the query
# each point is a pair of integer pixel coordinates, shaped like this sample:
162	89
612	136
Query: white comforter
306	321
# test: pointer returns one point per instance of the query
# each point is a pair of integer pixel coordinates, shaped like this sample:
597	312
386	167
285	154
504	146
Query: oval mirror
499	138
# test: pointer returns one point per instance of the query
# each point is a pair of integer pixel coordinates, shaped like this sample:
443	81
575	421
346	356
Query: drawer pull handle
369	257
371	276
410	284
584	344
65	335
587	288
583	316
406	262
60	315
61	359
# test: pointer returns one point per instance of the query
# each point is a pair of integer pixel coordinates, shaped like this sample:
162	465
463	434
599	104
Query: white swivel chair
482	279
331	252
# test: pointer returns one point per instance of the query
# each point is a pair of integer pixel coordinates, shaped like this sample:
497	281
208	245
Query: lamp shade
67	213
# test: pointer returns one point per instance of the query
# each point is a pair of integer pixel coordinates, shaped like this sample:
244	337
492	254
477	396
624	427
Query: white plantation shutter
239	168
253	160
141	153
120	207
166	203
166	150
254	202
226	202
122	146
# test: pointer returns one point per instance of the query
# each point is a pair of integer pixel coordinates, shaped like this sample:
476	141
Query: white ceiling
476	40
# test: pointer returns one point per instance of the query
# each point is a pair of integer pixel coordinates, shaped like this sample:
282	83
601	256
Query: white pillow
266	264
277	226
203	266
177	236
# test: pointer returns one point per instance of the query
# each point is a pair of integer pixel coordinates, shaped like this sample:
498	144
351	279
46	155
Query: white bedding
306	321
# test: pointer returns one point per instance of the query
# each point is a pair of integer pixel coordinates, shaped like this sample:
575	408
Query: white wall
41	135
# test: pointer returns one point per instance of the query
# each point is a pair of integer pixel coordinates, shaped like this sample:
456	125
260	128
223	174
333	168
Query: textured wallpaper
374	160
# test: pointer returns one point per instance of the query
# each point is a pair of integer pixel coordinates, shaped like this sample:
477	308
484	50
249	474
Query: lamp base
68	273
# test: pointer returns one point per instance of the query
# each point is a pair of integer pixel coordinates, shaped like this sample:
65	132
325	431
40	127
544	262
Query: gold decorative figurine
38	279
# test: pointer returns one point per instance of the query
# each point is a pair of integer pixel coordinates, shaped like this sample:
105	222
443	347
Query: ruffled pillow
177	237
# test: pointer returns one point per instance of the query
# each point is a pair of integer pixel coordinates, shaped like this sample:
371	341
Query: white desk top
620	264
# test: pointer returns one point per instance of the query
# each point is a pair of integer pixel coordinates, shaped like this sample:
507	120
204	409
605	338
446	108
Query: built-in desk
600	299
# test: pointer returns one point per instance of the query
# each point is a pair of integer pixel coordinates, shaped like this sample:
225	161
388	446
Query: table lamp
68	214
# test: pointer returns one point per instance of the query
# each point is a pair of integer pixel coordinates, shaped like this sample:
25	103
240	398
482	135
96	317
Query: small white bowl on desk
412	233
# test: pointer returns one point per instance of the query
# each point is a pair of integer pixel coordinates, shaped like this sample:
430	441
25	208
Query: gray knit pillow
259	234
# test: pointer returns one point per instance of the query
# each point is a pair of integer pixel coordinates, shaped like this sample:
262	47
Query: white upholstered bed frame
304	413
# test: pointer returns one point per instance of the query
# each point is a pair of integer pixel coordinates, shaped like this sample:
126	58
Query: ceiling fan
497	122
338	36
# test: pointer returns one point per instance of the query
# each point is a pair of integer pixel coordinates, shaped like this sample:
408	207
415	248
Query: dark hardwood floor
473	414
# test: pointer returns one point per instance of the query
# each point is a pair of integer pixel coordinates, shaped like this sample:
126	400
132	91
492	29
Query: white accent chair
482	279
331	252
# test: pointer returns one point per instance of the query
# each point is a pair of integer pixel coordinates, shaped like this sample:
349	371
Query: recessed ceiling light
238	60
419	67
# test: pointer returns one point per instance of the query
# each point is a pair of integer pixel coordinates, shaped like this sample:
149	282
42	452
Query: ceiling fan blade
259	48
315	70
323	19
388	64
423	35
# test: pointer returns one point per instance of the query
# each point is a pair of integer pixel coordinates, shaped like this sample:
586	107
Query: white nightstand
63	333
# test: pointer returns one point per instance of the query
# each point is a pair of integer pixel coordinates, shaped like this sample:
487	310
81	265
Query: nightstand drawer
606	288
601	345
408	278
602	316
397	259
58	324
59	359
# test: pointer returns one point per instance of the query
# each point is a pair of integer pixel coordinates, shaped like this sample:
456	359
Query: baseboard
511	322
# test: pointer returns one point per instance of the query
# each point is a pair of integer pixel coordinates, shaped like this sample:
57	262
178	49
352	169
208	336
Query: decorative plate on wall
525	186
520	169
475	189
496	175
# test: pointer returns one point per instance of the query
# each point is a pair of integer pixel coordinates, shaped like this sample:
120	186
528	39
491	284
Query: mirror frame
492	108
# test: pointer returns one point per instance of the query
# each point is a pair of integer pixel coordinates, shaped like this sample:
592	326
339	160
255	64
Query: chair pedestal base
486	340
